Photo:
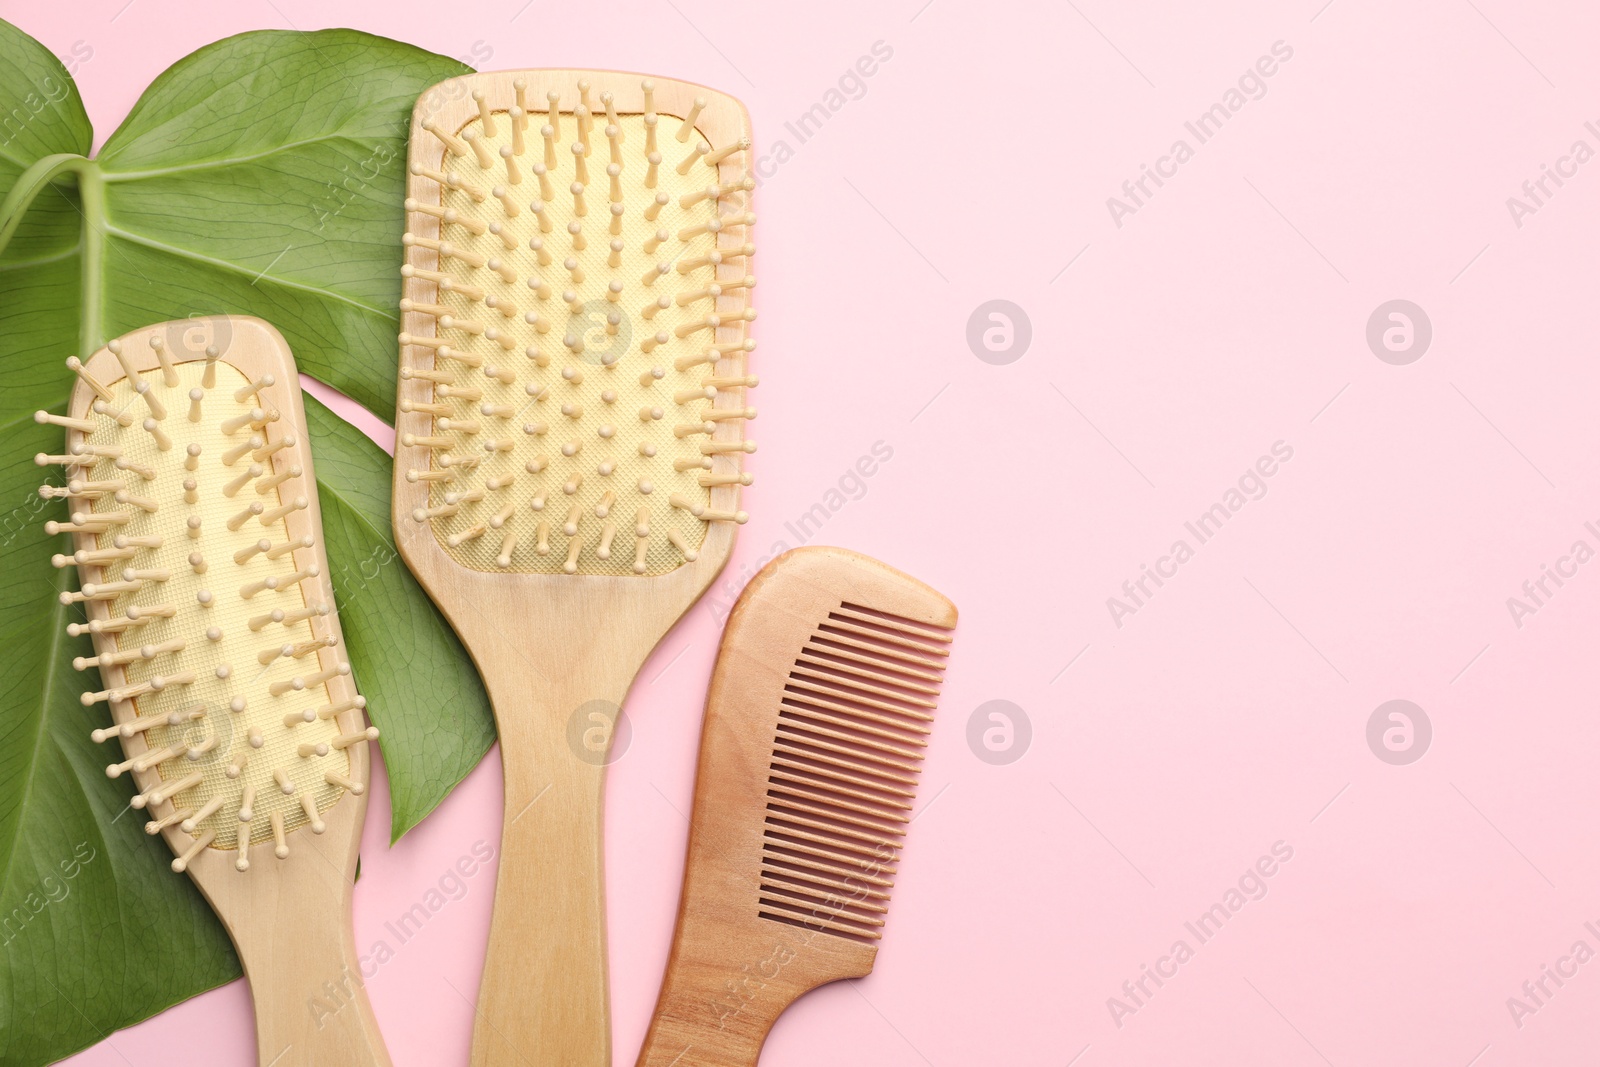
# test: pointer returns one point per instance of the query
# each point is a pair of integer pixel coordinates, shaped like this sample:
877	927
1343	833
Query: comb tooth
550	132
814	664
266	485
553	98
447	283
708	481
115	348
155	826
826	781
652	173
880	727
45	459
328	711
289	546
484	114
206	810
519	126
243	479
799	857
827	821
158	410
308	805
608	99
863	631
581	115
237	452
167	790
445	249
280	847
454	144
44	418
436	376
100	407
614	138
654	210
682	546
508	545
832	842
844	757
699	152
824	805
689	119
75	365
346	740
475	140
880	724
342	782
201	843
272	515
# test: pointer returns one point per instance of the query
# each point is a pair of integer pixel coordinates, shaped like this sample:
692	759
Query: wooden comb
567	474
815	726
206	587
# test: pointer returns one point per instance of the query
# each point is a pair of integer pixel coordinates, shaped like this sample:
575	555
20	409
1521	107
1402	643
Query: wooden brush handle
299	953
543	1000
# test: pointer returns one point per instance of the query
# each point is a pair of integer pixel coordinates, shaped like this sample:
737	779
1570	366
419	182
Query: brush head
204	586
816	724
577	297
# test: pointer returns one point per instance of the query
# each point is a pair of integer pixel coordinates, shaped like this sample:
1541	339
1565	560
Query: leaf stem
29	185
92	189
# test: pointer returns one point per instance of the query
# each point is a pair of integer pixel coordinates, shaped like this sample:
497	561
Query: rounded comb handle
815	725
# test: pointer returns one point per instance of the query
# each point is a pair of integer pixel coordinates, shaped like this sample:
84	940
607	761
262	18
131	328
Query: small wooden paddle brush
218	657
815	726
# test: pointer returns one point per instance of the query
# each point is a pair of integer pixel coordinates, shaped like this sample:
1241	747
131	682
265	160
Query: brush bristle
214	661
857	708
584	375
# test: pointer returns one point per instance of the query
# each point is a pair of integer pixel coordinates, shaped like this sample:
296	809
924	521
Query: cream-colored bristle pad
206	591
582	280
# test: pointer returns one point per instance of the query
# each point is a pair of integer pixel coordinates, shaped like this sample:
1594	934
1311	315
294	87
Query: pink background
1228	313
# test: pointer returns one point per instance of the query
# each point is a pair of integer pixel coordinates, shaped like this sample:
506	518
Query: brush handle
305	976
543	1000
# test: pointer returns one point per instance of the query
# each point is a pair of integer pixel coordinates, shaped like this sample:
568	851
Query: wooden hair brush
198	544
568	468
815	726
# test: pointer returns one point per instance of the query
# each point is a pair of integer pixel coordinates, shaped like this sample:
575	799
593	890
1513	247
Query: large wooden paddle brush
567	476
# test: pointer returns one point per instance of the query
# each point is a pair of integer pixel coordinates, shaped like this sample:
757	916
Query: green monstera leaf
261	175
